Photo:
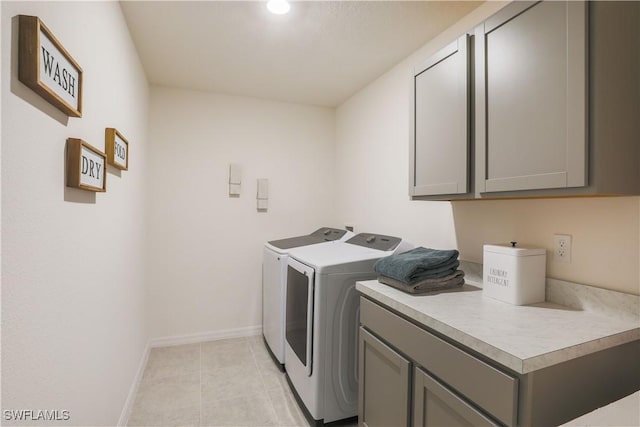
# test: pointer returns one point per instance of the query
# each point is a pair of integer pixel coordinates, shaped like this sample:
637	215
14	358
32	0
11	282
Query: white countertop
522	338
623	412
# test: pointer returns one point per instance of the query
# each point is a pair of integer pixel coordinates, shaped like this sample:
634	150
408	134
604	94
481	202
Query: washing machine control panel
325	234
328	234
375	241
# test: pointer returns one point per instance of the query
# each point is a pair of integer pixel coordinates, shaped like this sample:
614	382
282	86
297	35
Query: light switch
235	179
262	195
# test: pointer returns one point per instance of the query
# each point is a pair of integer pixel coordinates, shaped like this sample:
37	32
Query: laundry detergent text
498	277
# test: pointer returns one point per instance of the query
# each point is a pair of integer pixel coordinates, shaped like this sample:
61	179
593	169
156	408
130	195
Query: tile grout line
264	385
298	410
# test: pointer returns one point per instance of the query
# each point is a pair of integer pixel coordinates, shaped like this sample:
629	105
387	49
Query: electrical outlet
562	248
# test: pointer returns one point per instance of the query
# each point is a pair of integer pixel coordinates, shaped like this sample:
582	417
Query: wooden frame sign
117	149
47	68
85	166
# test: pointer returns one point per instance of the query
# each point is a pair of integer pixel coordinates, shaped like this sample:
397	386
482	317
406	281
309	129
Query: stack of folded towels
421	270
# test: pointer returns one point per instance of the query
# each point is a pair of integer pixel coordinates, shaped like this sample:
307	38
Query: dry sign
117	149
85	166
46	67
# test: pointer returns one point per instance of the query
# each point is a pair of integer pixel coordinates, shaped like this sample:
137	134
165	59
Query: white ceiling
321	53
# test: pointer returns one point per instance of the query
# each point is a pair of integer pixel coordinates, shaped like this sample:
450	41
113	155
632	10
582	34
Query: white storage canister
513	273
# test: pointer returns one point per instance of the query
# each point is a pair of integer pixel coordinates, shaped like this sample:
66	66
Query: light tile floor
231	382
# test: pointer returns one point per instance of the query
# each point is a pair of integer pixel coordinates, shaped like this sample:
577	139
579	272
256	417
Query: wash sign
57	73
45	66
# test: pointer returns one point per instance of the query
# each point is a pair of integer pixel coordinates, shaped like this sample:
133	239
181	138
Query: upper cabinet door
439	159
531	89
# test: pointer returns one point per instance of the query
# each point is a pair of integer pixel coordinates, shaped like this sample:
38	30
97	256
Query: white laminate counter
522	338
623	412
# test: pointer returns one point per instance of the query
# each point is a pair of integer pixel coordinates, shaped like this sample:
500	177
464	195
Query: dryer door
299	314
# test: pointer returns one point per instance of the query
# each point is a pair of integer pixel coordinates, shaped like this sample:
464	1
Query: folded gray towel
418	264
451	281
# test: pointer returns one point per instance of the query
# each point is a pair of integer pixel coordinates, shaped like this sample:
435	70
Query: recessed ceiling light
278	7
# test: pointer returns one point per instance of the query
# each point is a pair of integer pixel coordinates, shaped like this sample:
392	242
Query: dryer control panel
375	241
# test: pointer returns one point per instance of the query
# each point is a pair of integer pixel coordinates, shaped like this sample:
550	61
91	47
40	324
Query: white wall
373	127
73	295
206	247
372	174
605	244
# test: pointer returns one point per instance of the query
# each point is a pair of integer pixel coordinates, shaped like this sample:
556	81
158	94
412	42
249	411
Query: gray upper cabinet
531	87
439	162
555	100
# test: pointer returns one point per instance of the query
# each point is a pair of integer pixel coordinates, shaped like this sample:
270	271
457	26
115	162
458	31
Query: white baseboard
128	404
247	331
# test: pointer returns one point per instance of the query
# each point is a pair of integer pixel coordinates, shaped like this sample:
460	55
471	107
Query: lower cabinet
409	376
435	405
384	384
385	392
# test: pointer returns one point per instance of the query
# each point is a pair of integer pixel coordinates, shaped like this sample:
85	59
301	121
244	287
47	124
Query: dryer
322	316
274	270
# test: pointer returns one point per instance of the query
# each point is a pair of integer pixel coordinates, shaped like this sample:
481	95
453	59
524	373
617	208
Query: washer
274	271
322	315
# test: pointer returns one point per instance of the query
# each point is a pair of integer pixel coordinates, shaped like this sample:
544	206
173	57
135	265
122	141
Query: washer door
299	314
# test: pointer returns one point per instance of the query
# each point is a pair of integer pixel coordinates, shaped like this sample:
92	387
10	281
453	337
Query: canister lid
514	250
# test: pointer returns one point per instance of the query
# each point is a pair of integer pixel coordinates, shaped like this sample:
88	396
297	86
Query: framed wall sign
117	149
47	68
85	166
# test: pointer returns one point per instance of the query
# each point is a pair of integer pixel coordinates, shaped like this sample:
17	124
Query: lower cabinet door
435	405
384	381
